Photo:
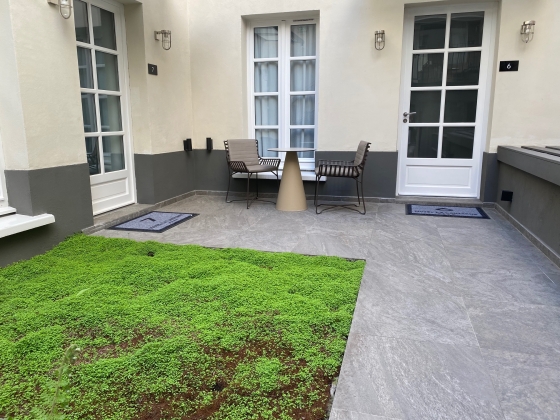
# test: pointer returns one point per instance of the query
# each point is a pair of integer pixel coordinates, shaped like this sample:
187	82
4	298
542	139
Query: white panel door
101	49
444	99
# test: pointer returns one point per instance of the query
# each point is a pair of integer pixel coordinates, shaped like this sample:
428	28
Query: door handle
406	114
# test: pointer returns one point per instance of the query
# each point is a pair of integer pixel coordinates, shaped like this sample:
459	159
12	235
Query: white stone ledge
16	223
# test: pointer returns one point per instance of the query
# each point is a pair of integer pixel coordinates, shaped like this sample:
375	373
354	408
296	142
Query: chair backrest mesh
245	150
361	154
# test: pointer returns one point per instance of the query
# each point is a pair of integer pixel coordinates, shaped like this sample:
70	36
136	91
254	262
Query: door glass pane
92	152
303	138
302	75
457	143
88	112
84	67
103	28
268	139
266	77
463	68
81	21
107	71
113	153
303	40
460	106
302	110
266	42
266	110
429	32
466	29
427	70
426	104
422	142
110	110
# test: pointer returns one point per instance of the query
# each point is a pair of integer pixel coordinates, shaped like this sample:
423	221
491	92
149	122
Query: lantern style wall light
64	6
379	40
165	38
527	31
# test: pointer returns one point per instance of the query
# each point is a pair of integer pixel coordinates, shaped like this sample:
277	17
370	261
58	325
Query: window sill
305	175
10	223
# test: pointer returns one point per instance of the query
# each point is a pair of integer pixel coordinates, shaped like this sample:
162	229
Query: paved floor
455	319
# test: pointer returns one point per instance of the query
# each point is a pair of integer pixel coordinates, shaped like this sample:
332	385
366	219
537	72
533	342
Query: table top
292	149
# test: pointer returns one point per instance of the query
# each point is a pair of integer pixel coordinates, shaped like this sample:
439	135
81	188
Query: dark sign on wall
509	65
152	69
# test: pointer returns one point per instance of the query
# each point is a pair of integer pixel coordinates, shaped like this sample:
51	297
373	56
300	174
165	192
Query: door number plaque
152	69
509	65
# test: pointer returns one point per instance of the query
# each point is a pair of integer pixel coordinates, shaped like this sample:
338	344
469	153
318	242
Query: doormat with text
446	211
156	221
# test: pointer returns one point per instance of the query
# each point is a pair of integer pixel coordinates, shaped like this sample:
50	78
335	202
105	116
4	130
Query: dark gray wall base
62	191
489	177
535	203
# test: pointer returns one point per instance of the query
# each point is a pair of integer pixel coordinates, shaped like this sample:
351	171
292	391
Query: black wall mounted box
209	145
187	145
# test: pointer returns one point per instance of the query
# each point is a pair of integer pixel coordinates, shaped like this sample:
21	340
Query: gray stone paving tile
515	327
532	286
397	226
331	244
391	208
527	386
489	236
521	259
400	378
353	415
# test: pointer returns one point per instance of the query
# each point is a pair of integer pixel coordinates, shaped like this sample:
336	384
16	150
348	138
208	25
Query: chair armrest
269	161
238	166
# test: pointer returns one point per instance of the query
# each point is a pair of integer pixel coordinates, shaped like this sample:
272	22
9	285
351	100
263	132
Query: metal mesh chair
243	157
343	169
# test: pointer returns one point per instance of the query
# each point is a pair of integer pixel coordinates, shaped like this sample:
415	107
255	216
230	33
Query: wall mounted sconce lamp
165	38
527	31
379	40
64	6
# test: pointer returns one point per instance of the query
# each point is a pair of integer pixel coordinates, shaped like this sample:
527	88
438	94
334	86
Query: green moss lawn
174	332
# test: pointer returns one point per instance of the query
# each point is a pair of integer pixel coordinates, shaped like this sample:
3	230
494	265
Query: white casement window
283	80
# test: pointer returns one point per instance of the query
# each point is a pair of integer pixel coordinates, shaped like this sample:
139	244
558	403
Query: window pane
463	68
268	139
303	138
103	28
107	71
427	70
81	21
88	112
429	32
266	42
110	110
302	75
460	106
457	143
426	104
303	40
422	142
84	67
266	110
466	29
92	152
302	110
266	77
113	153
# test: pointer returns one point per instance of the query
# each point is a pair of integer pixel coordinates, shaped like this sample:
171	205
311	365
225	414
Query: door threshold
441	201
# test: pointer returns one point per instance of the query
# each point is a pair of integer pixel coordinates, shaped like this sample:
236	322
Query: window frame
284	93
3	189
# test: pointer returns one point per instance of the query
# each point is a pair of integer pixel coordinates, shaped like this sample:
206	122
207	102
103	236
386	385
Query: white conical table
291	196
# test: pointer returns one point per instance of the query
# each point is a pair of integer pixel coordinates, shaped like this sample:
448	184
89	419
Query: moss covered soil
174	332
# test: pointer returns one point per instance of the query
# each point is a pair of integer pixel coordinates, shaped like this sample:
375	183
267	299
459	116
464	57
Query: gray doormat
446	211
156	221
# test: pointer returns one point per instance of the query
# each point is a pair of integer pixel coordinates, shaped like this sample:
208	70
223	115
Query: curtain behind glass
266	42
303	40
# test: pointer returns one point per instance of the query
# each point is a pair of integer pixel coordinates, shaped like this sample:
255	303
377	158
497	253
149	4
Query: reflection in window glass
466	29
426	104
303	138
92	152
463	68
88	112
110	112
422	142
427	70
266	42
267	139
81	21
113	153
429	32
460	106
266	76
103	28
107	71
457	143
303	40
84	67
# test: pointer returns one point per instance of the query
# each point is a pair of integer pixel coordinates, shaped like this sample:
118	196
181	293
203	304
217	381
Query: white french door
100	42
444	99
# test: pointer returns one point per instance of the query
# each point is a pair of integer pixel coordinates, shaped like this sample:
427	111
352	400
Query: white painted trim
16	223
7	210
3	190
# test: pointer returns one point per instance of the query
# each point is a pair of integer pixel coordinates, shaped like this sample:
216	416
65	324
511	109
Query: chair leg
247	196
358	191
362	188
316	191
277	183
257	182
227	193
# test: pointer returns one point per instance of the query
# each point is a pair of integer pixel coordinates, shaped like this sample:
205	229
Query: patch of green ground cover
171	331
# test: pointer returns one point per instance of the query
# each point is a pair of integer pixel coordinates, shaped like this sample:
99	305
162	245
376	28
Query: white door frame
483	102
120	32
3	191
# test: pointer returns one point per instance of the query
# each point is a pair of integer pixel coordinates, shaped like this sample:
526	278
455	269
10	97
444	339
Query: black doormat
446	211
156	221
